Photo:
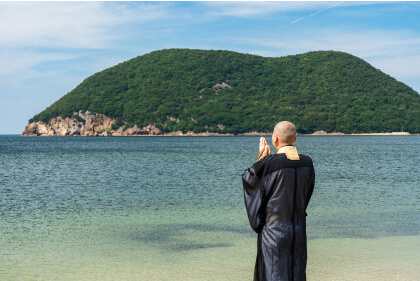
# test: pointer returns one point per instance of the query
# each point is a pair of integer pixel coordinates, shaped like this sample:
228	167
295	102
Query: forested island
225	92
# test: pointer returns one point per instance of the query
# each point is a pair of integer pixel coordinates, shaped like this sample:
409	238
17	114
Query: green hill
229	92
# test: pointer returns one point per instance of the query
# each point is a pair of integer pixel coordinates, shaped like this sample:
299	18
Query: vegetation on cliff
229	92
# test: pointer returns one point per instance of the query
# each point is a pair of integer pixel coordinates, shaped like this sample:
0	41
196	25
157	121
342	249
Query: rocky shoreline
85	124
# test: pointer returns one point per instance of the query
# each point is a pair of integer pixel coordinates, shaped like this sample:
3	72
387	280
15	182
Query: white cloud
52	25
33	33
66	24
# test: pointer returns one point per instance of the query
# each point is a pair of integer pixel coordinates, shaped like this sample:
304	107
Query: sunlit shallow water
172	208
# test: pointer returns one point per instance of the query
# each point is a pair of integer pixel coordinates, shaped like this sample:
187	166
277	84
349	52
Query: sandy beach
317	133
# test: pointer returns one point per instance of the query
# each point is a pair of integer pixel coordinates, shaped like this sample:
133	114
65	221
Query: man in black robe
277	190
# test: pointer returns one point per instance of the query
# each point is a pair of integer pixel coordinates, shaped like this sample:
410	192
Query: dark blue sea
171	208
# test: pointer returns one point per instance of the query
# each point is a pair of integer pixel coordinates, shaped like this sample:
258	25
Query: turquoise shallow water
171	208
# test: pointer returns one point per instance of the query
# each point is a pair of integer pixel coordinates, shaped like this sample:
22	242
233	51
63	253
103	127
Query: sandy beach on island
317	133
323	133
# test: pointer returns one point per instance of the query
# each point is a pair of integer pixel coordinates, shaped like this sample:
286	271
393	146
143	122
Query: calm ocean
171	208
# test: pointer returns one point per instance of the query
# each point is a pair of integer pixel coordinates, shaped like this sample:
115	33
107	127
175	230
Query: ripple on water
172	208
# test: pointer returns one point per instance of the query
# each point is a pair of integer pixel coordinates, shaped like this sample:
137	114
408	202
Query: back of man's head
286	132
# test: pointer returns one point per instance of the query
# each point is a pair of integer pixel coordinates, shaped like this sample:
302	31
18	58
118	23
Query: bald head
286	132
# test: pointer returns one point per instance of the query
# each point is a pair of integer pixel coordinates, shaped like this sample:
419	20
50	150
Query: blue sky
48	48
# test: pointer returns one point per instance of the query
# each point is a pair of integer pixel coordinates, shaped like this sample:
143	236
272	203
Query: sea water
171	208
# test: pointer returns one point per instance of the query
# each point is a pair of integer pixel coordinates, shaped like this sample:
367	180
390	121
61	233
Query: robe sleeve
311	190
253	199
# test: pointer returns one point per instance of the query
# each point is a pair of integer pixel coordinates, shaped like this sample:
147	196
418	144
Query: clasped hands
264	149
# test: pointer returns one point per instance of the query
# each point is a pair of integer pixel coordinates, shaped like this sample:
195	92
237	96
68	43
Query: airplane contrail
311	15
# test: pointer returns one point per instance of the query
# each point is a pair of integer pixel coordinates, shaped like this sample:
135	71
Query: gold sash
290	151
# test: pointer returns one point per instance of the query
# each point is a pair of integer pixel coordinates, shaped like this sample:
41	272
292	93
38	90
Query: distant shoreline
190	134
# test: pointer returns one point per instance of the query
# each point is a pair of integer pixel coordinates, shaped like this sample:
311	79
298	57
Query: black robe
277	191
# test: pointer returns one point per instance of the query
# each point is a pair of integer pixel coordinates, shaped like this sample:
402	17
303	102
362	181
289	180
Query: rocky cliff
85	124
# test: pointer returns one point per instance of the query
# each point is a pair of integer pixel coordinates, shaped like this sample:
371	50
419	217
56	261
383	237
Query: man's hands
264	149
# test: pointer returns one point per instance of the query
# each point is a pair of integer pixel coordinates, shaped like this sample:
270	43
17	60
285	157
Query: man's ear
295	139
275	138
